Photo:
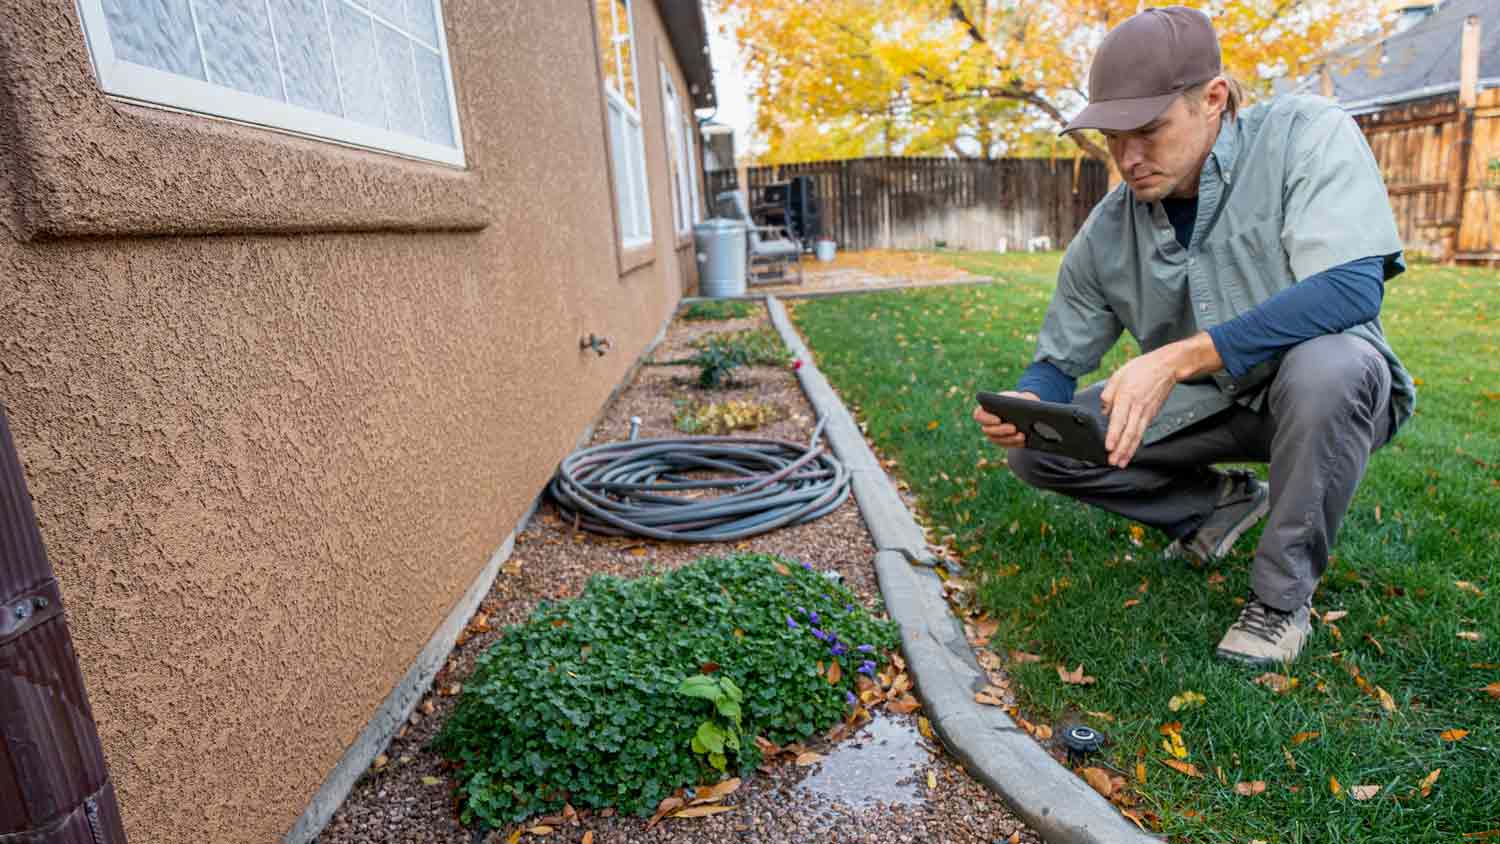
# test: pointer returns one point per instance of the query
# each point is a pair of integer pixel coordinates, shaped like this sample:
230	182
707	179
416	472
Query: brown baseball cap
1145	63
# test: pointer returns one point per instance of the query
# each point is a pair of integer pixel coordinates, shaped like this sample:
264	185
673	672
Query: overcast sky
729	81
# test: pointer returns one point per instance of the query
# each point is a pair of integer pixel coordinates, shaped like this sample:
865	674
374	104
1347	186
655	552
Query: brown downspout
54	787
1468	98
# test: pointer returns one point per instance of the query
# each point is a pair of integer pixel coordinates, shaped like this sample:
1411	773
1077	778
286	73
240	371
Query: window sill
634	257
107	167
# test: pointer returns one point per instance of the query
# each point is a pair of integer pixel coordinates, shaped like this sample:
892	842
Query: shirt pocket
1248	264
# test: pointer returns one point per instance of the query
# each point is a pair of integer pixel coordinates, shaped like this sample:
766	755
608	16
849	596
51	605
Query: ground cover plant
1386	729
718	418
718	310
638	687
758	346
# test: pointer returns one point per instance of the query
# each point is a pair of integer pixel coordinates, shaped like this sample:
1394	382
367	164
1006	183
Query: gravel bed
407	797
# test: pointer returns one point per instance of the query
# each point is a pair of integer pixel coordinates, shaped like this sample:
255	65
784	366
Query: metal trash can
721	250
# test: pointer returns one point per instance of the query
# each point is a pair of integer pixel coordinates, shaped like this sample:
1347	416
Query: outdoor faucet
600	345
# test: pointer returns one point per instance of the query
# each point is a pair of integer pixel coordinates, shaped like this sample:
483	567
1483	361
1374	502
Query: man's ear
1217	96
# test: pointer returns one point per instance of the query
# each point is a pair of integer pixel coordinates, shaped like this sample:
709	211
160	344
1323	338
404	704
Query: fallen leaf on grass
1454	734
1301	737
700	811
1290	762
1075	677
1105	716
1278	683
1489	834
1334	787
1466	586
1135	818
1249	789
1023	657
1493	690
1131	602
1470	635
1186	768
1186	700
1364	792
1386	701
1428	781
1334	615
809	758
1099	780
781	569
1140	772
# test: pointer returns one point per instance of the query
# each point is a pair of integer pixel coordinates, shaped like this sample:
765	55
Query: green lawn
1419	546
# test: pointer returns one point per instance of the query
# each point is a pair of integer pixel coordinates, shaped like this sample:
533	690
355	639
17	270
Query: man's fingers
1132	437
1117	421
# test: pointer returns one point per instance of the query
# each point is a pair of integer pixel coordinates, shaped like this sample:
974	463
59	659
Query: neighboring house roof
1419	62
688	33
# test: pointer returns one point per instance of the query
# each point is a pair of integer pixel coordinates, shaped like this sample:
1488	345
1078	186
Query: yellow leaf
1301	737
1140	772
1279	683
700	811
809	758
1102	716
931	780
380	761
588	837
514	837
1186	700
1454	734
638	551
1249	789
1334	787
1290	762
1185	768
1428	781
431	781
924	727
1364	792
1386	701
1493	690
1466	586
1334	615
933	425
540	829
1470	635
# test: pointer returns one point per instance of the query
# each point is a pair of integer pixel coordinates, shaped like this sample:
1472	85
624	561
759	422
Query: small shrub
761	346
595	701
724	417
717	310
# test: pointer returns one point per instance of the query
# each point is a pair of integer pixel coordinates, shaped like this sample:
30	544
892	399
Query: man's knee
1326	377
1038	468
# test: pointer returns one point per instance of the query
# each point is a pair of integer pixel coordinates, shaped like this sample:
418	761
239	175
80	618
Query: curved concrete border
1052	801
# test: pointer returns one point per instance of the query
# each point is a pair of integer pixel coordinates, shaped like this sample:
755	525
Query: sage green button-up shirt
1290	189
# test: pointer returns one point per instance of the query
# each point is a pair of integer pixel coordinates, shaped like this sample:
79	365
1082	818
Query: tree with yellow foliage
978	78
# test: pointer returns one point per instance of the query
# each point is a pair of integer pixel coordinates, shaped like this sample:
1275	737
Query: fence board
917	203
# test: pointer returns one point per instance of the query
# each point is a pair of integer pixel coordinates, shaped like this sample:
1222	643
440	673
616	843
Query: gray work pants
1326	409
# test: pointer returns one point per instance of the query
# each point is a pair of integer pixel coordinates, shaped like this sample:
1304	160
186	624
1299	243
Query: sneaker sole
1245	660
1258	512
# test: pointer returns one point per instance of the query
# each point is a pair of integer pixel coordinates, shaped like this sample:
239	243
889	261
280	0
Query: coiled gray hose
623	489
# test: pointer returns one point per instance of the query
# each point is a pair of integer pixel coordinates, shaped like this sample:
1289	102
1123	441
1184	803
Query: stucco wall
266	465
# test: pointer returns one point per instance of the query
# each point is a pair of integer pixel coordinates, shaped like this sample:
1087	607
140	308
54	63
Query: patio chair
771	249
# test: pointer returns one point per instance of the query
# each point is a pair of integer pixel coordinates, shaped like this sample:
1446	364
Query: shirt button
1203	306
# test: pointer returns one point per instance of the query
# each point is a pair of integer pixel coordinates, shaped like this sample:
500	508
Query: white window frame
632	199
690	136
150	86
681	160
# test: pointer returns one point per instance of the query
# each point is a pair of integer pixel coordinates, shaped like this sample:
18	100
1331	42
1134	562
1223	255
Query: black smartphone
1065	429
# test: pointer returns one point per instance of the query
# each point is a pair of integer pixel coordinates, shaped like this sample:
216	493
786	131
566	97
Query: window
680	144
622	97
373	73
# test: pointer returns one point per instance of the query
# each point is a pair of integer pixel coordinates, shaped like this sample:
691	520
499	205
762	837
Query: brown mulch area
408	797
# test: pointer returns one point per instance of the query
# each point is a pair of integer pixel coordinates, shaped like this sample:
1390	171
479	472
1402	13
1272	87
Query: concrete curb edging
1048	797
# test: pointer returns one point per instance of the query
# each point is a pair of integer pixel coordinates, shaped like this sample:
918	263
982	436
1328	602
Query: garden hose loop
642	487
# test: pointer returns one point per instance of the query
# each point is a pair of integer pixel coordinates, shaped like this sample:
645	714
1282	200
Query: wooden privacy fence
1441	162
917	203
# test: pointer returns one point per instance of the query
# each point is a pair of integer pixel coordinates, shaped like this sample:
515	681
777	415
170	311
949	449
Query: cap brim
1121	115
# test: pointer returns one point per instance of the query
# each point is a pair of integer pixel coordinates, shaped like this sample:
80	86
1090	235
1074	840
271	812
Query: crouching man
1247	253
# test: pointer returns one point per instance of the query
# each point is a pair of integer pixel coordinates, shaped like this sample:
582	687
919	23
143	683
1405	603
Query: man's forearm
1194	357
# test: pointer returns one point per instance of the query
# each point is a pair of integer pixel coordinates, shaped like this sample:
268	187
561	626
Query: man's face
1164	157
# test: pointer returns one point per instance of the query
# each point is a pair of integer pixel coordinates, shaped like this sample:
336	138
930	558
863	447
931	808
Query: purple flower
818	634
850	699
848	608
807	566
838	648
801	611
864	649
813	616
791	624
867	667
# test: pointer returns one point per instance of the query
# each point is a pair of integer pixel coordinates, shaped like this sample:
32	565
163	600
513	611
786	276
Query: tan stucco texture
267	465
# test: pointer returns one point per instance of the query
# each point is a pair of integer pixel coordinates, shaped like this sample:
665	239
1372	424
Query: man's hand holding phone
997	430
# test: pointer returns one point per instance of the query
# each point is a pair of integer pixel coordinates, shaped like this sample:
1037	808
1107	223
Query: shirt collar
1226	148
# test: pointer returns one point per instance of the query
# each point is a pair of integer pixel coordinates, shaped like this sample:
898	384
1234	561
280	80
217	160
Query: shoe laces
1263	621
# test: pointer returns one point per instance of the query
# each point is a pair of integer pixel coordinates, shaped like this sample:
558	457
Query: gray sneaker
1243	500
1264	635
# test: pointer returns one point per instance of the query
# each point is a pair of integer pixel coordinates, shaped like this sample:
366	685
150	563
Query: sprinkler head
1081	740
